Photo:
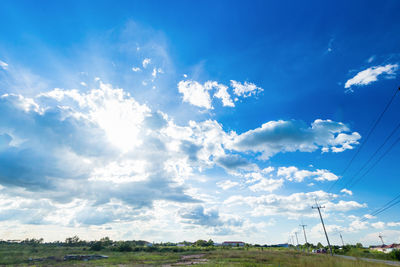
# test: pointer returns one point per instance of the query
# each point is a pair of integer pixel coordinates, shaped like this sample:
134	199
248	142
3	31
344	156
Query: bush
96	246
395	254
124	247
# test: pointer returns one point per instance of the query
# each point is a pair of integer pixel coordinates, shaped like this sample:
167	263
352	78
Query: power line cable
373	155
384	207
381	208
366	139
375	163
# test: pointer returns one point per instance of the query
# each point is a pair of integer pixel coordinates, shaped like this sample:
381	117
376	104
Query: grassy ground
19	255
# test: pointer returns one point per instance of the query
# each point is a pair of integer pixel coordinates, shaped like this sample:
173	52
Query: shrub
395	254
96	246
124	247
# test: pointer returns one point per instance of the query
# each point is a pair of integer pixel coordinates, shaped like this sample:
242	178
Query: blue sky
186	120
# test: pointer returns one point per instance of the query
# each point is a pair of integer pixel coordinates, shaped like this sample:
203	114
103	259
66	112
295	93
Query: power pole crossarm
323	225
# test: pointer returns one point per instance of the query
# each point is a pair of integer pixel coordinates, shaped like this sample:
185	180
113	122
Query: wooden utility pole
323	225
305	237
341	238
381	237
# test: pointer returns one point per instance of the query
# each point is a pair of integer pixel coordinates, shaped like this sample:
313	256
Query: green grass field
18	255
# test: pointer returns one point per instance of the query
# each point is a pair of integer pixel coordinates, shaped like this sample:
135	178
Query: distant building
233	243
386	248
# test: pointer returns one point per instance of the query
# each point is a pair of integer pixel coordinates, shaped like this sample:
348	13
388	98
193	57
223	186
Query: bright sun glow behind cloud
120	118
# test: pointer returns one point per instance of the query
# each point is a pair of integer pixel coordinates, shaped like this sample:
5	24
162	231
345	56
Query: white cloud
155	71
3	65
195	93
245	89
267	185
197	215
369	216
294	205
83	84
393	224
357	225
345	205
294	174
288	136
223	94
378	225
227	184
146	62
136	69
371	74
346	191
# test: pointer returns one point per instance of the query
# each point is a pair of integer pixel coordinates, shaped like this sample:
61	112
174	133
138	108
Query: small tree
124	247
395	254
200	243
96	246
106	241
359	245
72	241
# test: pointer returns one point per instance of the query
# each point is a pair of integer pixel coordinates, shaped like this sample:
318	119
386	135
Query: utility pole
297	239
380	236
341	238
323	225
305	237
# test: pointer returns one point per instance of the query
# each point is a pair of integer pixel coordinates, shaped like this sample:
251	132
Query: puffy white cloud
378	225
292	205
369	216
288	136
393	224
102	146
294	174
156	71
136	69
357	225
267	185
223	94
371	74
199	94
346	191
345	205
195	94
3	65
245	89
146	62
227	184
197	215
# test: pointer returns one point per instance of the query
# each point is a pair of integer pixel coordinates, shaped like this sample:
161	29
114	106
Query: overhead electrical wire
373	155
388	205
375	163
366	139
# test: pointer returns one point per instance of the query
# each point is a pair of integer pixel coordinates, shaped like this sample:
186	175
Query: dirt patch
189	260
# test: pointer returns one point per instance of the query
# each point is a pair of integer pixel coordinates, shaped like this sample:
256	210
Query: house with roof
386	248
